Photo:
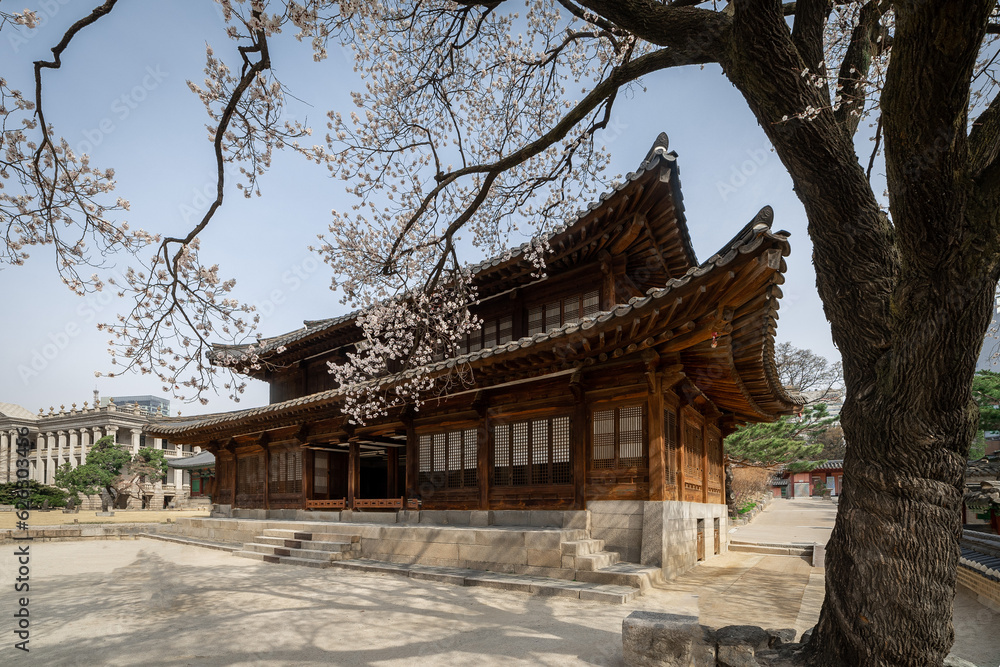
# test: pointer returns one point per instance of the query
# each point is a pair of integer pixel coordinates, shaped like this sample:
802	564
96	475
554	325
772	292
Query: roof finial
659	147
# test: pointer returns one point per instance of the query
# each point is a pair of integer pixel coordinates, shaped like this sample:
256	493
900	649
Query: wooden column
579	434
233	474
308	472
657	441
267	470
484	444
704	461
682	445
412	460
353	473
392	472
608	296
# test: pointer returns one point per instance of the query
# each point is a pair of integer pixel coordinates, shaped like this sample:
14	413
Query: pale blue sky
123	89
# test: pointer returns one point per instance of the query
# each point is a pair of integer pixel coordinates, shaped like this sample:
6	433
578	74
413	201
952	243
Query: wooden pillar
579	434
704	461
412	461
392	472
484	445
682	446
308	463
657	441
353	473
267	472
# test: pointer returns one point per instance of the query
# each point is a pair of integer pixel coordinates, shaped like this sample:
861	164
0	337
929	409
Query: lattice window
448	459
250	475
620	438
604	439
671	442
286	472
715	461
556	314
320	472
693	450
536	320
505	329
533	451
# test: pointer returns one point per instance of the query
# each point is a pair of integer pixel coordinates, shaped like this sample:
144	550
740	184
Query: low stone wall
117	531
986	590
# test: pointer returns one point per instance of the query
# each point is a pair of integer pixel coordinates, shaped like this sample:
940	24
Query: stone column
136	434
111	431
5	457
85	443
74	444
60	449
47	472
157	443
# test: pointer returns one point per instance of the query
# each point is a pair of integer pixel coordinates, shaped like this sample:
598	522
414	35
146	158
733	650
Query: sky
122	97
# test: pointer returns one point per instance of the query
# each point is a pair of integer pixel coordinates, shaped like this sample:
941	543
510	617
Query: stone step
532	585
769	550
330	550
278	542
287	534
326	535
596	561
637	576
582	547
193	542
283	560
336	546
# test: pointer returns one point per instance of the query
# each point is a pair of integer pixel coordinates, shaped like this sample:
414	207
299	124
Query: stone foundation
663	534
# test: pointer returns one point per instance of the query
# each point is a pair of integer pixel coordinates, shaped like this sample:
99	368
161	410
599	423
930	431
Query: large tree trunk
908	301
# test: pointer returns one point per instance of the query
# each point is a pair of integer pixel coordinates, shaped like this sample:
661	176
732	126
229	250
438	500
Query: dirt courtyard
144	602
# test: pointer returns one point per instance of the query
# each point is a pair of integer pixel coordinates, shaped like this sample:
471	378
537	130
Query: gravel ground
146	602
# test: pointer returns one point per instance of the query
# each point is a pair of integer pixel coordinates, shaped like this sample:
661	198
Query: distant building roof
16	412
203	459
832	464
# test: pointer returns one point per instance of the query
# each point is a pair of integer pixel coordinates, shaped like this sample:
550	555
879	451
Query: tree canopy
790	441
111	468
470	121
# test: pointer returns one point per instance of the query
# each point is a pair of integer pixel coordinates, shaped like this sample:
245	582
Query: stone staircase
595	565
292	547
802	550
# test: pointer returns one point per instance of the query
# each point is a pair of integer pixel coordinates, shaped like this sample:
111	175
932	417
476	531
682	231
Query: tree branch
807	32
625	73
984	139
864	46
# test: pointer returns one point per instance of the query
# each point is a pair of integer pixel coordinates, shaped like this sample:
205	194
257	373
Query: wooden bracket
302	434
576	385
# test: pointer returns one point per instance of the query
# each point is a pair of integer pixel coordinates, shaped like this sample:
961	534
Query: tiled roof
750	238
202	459
658	155
833	464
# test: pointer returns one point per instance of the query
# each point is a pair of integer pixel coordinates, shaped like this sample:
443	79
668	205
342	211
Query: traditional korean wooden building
612	380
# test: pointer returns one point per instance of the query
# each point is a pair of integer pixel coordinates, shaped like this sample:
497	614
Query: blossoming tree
469	121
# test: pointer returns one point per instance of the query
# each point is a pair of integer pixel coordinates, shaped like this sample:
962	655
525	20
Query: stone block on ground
750	635
736	655
780	636
652	639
